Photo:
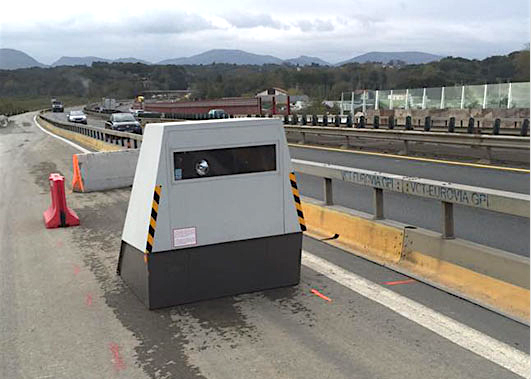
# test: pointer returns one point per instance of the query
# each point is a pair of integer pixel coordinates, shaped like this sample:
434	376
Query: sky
333	30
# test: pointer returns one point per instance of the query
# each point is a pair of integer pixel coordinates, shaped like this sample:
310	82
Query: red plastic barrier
59	214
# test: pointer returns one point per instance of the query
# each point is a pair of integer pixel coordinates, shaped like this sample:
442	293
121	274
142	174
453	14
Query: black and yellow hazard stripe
297	197
152	222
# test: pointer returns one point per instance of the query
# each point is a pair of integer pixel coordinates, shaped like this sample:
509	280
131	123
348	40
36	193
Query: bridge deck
65	313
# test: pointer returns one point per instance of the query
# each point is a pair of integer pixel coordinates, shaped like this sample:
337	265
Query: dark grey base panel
205	272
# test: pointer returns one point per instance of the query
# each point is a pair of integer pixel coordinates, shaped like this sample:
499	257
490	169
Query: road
62	117
66	314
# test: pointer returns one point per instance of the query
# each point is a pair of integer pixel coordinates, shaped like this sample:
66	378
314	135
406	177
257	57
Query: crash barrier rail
426	124
447	193
127	140
476	140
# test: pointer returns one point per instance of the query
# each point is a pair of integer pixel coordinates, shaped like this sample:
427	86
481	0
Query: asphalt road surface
66	314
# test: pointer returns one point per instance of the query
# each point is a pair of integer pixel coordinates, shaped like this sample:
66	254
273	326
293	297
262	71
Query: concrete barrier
105	170
492	278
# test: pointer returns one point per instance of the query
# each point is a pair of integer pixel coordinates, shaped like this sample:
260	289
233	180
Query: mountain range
11	59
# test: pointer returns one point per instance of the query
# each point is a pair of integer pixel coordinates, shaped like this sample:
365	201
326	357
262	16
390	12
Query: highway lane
66	314
62	117
497	230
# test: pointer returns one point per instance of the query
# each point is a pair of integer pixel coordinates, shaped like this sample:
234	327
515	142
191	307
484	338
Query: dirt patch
41	173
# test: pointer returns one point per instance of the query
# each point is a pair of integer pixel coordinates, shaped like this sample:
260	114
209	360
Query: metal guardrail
447	193
128	140
476	140
426	124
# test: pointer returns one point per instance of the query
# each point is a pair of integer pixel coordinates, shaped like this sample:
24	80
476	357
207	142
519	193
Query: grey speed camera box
214	211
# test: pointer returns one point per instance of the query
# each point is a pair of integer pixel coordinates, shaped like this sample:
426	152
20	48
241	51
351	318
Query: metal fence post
509	96
485	97
376	100
352	104
391	100
407	99
328	198
462	97
424	98
447	220
341	107
442	98
378	203
364	103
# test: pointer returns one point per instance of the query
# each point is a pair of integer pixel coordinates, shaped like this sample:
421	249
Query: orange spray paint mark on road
317	293
397	282
116	357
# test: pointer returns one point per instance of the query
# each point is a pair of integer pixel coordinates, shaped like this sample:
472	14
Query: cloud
315	25
334	30
248	20
172	22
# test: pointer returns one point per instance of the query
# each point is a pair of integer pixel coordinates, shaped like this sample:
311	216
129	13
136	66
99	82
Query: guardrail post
294	119
451	125
470	128
408	123
314	120
378	203
391	122
337	121
325	120
427	124
376	122
447	220
327	191
303	120
496	127
349	121
525	128
361	124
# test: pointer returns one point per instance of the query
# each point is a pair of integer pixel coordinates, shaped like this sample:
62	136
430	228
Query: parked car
77	116
123	122
57	106
217	113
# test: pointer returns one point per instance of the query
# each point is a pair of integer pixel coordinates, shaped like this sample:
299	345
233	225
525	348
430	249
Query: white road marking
487	347
82	149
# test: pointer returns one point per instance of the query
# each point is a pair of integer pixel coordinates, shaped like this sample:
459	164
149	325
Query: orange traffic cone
77	181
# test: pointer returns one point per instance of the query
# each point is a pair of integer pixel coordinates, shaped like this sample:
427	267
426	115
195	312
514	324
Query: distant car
57	106
77	116
123	122
135	112
217	113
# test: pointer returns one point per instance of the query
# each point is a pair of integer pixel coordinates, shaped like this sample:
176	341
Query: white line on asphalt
487	347
60	138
